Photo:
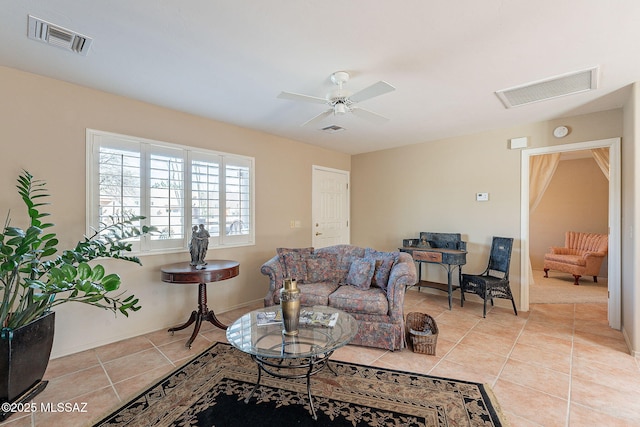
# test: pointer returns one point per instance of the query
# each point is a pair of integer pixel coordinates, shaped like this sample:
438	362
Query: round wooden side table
214	271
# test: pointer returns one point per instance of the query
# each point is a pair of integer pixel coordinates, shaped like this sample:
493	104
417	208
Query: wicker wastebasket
422	333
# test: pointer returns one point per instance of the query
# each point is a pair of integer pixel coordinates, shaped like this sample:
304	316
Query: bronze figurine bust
198	246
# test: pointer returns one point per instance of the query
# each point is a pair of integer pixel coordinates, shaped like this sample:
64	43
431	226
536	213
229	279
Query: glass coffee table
283	356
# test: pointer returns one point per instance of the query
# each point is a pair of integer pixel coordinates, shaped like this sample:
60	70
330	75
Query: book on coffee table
307	317
268	317
318	318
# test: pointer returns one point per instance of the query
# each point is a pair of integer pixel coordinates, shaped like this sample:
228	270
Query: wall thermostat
561	131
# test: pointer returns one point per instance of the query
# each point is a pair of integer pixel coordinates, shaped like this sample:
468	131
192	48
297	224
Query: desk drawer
427	256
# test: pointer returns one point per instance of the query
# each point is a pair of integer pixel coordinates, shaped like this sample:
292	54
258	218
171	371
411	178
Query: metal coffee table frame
291	357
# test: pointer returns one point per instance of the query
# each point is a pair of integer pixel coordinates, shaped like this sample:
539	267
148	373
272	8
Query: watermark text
27	407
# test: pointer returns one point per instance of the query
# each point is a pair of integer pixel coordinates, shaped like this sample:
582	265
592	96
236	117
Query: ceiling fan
342	101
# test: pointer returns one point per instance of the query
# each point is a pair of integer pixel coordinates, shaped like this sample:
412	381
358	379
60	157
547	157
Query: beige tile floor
556	365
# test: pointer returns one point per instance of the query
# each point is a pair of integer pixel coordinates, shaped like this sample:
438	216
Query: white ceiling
229	59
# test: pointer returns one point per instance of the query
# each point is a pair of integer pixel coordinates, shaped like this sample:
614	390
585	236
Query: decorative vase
24	356
290	303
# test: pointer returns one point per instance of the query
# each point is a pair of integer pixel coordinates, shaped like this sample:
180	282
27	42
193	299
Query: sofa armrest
274	270
402	274
593	262
594	254
560	250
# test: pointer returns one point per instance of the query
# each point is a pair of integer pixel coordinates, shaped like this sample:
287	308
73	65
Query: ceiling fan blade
318	118
298	97
375	89
368	115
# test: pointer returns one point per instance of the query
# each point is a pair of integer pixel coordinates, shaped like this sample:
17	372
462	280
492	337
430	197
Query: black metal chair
494	281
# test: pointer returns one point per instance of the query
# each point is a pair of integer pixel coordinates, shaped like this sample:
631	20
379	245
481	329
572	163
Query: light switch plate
482	197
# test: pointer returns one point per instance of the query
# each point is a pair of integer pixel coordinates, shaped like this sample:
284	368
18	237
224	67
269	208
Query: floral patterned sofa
366	283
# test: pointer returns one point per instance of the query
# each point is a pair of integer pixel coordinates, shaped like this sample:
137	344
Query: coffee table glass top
267	340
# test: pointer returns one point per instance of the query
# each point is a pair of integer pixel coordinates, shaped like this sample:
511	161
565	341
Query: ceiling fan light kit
340	108
342	101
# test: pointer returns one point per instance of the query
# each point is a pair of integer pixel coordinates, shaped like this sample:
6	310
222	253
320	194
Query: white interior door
330	207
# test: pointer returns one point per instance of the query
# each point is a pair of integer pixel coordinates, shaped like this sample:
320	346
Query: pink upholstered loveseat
582	255
365	283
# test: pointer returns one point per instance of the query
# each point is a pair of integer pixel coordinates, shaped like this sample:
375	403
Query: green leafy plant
35	276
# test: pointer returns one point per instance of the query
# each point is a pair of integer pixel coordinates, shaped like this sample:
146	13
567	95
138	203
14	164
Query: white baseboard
628	342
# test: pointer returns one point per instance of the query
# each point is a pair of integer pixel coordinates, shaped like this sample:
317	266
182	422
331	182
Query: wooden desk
450	259
214	271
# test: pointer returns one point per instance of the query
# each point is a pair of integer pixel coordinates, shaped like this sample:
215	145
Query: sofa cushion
295	266
345	254
301	251
354	300
293	262
322	268
316	293
384	262
361	273
567	259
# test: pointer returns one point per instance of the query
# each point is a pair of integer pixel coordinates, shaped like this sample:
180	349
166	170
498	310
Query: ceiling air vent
332	129
55	35
553	87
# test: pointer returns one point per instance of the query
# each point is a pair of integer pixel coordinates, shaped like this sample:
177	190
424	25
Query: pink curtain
541	170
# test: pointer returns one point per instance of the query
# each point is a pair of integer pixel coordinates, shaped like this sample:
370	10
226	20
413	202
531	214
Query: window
174	187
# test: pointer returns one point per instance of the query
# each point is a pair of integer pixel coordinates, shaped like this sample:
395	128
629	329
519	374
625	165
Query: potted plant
35	277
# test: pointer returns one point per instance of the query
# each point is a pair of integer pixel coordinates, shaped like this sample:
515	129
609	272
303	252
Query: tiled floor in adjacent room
556	365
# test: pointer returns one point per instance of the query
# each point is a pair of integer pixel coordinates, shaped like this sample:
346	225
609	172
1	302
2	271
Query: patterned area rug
210	391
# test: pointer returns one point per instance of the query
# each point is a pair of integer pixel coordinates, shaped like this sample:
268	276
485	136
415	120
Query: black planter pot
24	356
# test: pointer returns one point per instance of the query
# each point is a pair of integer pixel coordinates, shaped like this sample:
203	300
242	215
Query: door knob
317	234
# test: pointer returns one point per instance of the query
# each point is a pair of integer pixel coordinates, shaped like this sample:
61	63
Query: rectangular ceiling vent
553	87
332	129
55	35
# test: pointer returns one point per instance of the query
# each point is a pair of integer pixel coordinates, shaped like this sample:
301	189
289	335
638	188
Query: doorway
614	210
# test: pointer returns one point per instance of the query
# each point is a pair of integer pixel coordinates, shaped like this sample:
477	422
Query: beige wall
432	187
43	123
577	199
395	193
